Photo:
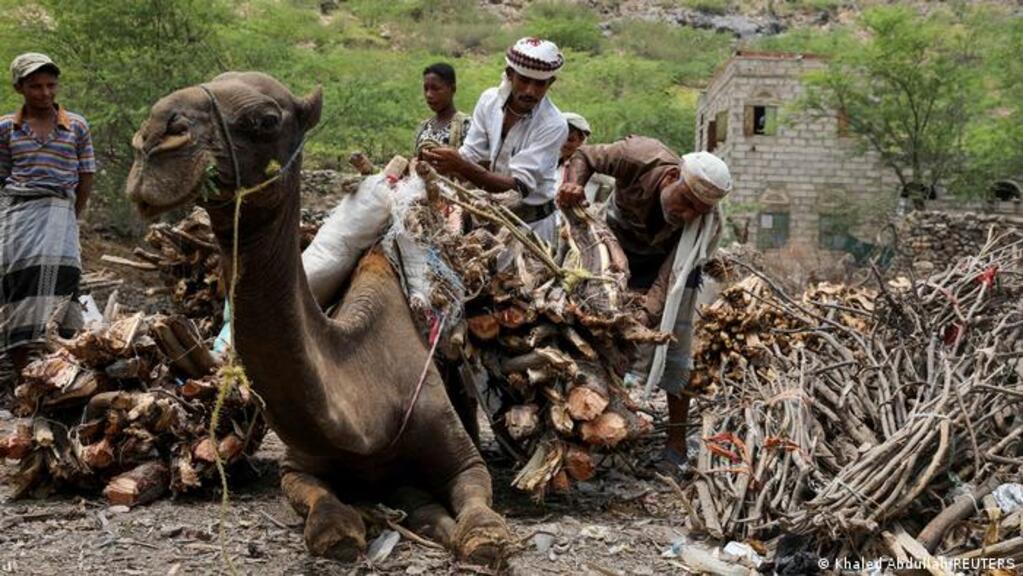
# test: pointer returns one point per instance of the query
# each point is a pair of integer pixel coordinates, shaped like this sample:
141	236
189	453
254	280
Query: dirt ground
618	524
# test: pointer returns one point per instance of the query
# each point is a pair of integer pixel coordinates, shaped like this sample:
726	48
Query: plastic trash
1009	497
675	550
743	550
91	315
381	548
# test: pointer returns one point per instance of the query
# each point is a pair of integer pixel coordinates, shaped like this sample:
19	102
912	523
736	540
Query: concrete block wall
806	165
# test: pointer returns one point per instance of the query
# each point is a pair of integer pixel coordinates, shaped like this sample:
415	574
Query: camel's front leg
332	528
482	534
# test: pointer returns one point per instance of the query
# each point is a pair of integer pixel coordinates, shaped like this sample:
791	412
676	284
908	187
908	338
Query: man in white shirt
516	136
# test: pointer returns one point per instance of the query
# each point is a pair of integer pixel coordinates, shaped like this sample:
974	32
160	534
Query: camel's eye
177	124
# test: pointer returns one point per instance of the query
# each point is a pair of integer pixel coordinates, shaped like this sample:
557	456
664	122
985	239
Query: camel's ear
309	108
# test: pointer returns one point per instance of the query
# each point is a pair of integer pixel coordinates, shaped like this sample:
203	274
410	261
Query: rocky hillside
744	18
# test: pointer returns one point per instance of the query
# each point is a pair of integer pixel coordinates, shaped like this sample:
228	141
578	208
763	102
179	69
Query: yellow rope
232	372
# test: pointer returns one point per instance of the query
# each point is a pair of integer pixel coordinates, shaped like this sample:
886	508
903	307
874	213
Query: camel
339	390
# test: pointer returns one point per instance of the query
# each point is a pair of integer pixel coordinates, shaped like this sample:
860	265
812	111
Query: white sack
358	221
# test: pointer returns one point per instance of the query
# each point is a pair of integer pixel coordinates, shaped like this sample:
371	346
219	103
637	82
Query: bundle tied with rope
543	337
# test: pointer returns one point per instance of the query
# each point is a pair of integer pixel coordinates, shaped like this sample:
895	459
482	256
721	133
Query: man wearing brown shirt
658	196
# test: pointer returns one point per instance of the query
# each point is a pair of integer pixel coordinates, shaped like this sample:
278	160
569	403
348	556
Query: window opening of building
772	230
760	120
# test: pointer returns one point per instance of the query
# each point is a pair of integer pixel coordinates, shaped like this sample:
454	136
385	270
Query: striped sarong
40	263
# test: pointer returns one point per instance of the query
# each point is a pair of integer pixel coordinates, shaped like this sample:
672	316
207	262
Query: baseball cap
30	63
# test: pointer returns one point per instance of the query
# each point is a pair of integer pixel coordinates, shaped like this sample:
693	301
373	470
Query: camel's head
182	150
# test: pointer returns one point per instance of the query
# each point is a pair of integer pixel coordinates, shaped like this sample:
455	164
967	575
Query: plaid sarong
40	263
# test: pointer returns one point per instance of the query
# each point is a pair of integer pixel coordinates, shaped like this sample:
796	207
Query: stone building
799	181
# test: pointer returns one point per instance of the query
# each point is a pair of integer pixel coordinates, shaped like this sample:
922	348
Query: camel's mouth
150	204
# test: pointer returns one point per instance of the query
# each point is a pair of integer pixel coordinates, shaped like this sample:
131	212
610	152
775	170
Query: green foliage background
120	56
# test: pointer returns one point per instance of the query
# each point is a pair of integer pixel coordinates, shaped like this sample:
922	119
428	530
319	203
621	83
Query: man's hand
447	161
571	195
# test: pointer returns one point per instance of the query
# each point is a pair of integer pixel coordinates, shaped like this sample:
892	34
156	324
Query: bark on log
99	455
608	429
589	397
522	421
578	463
963	507
484	327
140	485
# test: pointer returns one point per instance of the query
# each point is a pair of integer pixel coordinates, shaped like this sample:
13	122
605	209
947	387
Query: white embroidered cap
535	58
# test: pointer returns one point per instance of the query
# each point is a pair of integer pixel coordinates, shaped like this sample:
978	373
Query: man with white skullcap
665	215
515	136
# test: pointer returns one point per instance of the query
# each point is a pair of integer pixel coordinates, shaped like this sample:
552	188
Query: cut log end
140	485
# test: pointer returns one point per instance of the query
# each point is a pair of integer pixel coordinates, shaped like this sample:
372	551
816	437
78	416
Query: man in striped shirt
46	172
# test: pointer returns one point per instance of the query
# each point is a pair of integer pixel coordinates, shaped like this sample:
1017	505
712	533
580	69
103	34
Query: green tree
995	140
908	91
117	59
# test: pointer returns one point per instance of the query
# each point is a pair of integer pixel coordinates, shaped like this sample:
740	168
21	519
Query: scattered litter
381	548
740	550
542	542
1009	497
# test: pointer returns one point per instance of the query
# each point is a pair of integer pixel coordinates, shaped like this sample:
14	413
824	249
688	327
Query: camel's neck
274	312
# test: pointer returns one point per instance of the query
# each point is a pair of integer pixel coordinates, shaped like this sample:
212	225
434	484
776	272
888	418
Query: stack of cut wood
555	335
126	408
188	261
853	417
746	324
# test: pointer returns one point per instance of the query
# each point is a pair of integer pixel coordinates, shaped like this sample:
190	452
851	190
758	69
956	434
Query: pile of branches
848	414
126	407
188	261
553	333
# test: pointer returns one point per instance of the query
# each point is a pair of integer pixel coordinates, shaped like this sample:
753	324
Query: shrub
567	25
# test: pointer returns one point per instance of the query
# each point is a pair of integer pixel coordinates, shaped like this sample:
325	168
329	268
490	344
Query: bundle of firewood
554	334
188	261
850	414
126	408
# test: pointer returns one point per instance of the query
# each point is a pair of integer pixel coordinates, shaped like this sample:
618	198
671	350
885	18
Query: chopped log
231	447
561	482
962	508
585	404
514	344
541	333
576	339
608	430
588	398
522	421
99	455
578	463
174	350
511	317
541	359
148	266
557	412
484	327
203	450
140	485
362	163
191	341
540	468
17	445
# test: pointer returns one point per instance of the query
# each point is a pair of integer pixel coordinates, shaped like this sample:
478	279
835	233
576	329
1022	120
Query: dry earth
618	524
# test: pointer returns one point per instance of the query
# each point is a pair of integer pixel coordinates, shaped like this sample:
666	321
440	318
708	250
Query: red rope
436	327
